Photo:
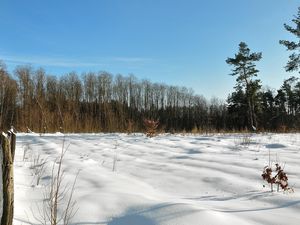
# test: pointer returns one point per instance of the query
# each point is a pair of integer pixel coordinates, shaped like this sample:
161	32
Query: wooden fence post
8	181
12	139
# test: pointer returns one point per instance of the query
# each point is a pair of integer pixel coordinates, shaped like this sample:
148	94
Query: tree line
30	99
95	102
92	102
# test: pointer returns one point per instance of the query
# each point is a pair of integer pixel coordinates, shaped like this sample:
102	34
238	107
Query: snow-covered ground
166	180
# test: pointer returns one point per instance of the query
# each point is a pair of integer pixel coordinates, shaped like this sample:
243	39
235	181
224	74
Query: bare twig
58	197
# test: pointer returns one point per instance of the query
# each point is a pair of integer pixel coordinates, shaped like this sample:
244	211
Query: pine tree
244	69
294	59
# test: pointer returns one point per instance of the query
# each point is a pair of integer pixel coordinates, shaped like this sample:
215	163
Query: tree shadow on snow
251	195
161	212
248	196
275	146
283	205
132	220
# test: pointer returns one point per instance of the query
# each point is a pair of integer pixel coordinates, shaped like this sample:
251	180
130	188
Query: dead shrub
280	178
151	127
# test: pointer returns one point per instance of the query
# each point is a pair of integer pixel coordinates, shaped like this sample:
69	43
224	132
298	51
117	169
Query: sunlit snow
190	179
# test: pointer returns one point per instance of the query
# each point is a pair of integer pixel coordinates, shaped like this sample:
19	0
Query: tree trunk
254	115
250	119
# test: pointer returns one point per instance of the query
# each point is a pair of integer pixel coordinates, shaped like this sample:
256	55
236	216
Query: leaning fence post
12	139
8	181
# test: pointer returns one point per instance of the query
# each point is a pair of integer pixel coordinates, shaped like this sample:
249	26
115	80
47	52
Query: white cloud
47	61
64	62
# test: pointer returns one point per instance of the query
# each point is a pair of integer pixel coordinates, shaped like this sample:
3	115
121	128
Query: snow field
167	180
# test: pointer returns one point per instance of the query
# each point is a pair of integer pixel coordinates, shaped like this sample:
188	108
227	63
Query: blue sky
177	42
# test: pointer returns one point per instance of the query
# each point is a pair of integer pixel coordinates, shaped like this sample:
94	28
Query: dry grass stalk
58	198
130	127
38	167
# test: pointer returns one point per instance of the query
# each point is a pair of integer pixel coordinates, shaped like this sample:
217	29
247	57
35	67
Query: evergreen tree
244	69
237	106
267	113
294	59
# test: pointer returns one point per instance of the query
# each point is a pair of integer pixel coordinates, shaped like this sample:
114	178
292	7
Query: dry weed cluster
151	127
280	178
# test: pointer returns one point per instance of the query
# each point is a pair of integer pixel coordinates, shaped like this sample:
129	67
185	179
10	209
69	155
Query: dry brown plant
151	127
280	178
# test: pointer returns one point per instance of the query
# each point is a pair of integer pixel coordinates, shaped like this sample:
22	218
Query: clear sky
177	42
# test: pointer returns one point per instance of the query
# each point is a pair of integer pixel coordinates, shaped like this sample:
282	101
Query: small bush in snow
151	127
280	178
